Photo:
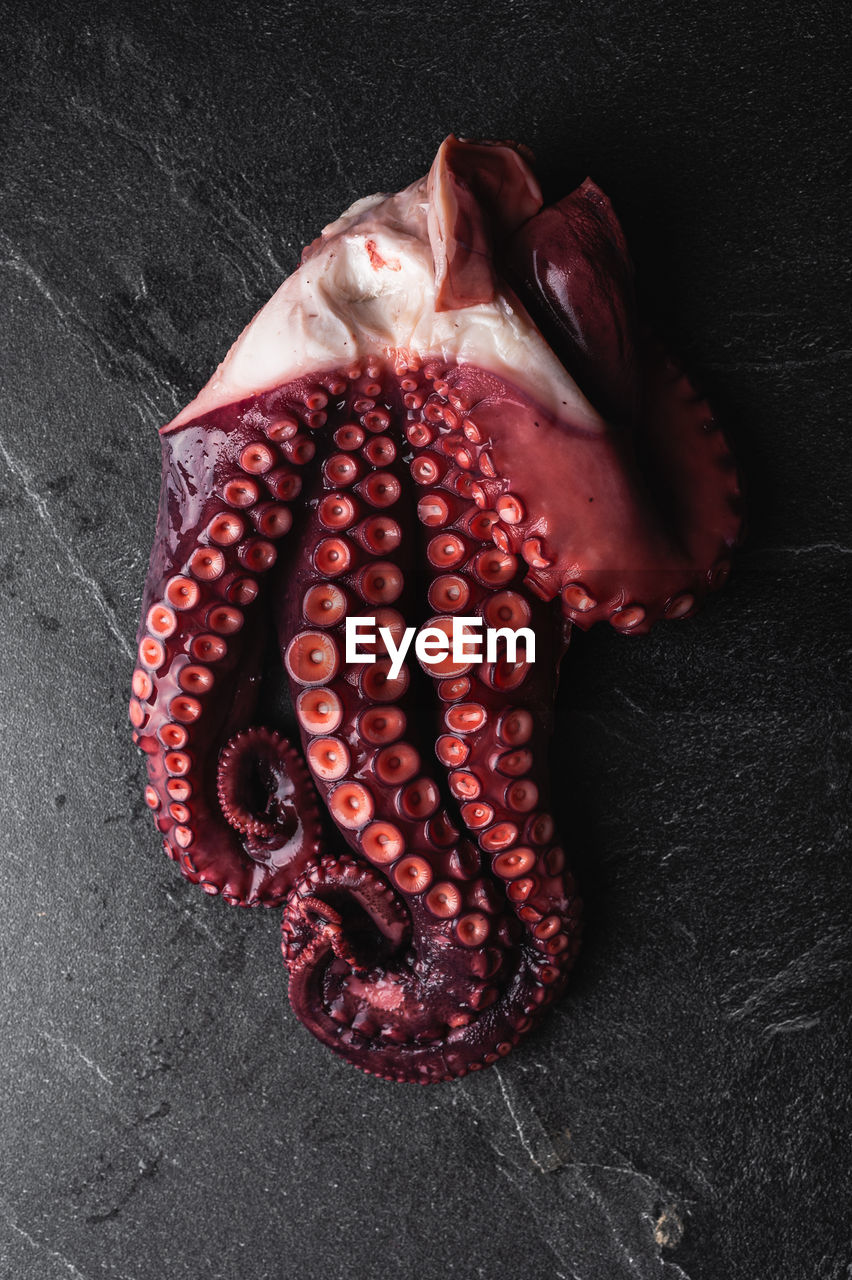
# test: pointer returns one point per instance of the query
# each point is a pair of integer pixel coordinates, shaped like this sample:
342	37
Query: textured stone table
682	1114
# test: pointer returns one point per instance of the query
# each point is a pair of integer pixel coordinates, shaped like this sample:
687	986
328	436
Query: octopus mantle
446	411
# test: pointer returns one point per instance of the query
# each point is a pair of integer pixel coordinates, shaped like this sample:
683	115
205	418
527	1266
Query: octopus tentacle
263	788
491	929
388	991
226	507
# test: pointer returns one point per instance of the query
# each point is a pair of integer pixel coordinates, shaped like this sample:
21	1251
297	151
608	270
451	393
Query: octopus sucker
448	417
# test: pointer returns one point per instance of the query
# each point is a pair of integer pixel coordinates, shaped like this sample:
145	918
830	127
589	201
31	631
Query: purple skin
411	488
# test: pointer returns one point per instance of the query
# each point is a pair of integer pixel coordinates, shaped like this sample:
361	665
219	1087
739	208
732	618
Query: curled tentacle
348	907
421	1001
265	793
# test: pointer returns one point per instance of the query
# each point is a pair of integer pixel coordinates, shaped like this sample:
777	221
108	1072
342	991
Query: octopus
449	412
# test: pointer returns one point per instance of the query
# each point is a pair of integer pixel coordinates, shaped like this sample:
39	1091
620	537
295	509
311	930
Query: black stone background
684	1112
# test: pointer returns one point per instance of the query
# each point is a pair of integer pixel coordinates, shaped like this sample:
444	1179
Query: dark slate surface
683	1113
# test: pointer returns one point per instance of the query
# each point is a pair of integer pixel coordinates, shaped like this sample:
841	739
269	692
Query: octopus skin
448	410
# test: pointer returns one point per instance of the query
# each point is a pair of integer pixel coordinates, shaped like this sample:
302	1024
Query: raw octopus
449	410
